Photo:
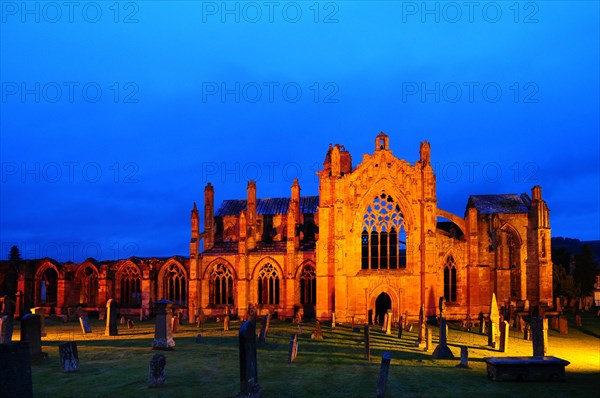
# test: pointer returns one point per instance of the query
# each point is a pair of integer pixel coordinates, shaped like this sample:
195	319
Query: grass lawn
334	367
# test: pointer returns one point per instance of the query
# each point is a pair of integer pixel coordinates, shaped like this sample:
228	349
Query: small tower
195	240
382	142
251	215
209	216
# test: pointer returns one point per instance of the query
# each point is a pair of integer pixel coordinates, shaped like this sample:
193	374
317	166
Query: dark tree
15	254
585	270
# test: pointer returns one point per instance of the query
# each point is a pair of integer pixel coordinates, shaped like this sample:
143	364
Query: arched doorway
382	305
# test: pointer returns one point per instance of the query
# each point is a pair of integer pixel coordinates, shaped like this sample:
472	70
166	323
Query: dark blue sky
113	118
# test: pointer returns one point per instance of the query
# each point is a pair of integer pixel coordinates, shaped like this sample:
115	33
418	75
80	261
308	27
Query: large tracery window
268	285
512	245
175	284
221	286
88	286
308	285
47	287
450	280
131	286
383	240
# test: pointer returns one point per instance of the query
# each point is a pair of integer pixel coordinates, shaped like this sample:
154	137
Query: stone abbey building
373	239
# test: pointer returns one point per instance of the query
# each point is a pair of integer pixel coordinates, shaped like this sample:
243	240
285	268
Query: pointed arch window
88	286
175	284
450	280
47	291
308	285
513	248
130	282
221	286
268	285
383	238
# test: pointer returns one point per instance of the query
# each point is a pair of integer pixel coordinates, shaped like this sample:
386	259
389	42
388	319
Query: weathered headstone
333	320
41	311
504	336
557	306
464	357
422	325
174	322
578	320
481	323
563	325
367	343
163	332
157	371
318	333
130	324
554	324
388	322
537	336
15	376
293	350
69	360
400	326
249	387
494	322
6	328
262	339
383	374
112	308
31	334
226	323
442	351
428	339
527	332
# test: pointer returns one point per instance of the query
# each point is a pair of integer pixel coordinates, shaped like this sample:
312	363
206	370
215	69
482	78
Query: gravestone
442	351
400	326
174	321
464	357
504	336
383	374
388	322
163	331
249	387
481	323
122	321
428	339
300	330
130	324
15	376
578	320
112	307
367	343
6	328
422	326
522	324
537	336
318	333
554	323
527	332
262	339
526	306
226	323
83	320
333	320
563	325
31	334
545	334
69	360
385	321
41	311
557	306
157	371
494	322
293	350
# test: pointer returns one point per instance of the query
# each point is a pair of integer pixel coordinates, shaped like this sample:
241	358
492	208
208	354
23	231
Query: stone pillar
504	336
163	328
249	387
442	351
537	331
41	311
15	377
31	334
69	359
112	307
383	374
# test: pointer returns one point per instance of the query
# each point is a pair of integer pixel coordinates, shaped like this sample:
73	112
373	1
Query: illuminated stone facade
373	239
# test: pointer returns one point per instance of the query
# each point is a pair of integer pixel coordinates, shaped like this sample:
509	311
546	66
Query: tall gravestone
333	320
41	311
249	387
537	336
293	350
494	323
464	357
112	308
383	374
442	351
31	333
163	327
504	336
15	375
388	323
367	343
563	325
69	359
226	323
428	339
264	328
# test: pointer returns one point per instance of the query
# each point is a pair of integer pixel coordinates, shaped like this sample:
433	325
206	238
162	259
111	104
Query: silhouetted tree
563	284
585	270
14	254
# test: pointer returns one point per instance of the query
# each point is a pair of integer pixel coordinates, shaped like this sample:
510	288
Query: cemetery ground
117	366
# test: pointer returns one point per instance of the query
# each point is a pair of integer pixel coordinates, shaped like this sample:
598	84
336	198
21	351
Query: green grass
335	367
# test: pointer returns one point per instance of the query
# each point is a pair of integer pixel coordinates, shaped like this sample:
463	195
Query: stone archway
383	303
